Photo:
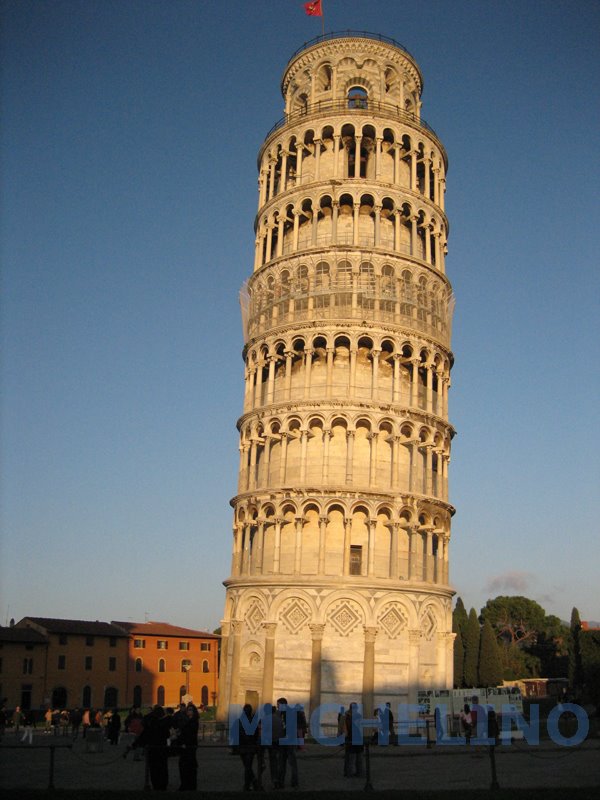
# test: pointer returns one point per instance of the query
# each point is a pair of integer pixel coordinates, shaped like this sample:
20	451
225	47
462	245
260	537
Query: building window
88	662
160	695
355	560
86	697
186	665
138	665
112	641
205	646
62	662
139	644
184	645
27	666
62	638
162	644
28	647
205	666
161	665
0	668
204	695
137	696
89	640
357	97
112	667
26	689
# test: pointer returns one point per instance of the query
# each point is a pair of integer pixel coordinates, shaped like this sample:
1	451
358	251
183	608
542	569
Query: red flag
313	9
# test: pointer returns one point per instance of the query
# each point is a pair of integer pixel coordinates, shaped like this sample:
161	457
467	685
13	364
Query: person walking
17	720
134	724
287	752
75	719
248	744
187	742
153	737
272	747
353	747
86	720
390	721
113	727
27	727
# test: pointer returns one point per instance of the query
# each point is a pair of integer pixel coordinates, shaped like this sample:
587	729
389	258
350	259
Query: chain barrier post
147	786
368	784
51	775
493	733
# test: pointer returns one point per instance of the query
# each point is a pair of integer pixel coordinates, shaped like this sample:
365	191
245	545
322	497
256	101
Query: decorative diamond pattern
295	615
254	617
344	618
428	625
393	621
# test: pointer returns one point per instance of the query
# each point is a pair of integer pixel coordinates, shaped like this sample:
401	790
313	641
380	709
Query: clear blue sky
128	156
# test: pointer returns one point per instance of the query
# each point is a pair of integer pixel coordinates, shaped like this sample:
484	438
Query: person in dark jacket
153	737
248	745
353	748
187	744
113	727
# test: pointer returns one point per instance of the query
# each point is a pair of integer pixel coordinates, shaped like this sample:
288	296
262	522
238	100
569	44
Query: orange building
23	655
85	664
167	663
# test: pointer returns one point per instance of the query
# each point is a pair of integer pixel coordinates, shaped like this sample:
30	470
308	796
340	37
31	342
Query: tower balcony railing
341	303
364	107
324	37
346	240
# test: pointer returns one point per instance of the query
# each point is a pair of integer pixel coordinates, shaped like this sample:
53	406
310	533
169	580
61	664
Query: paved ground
405	767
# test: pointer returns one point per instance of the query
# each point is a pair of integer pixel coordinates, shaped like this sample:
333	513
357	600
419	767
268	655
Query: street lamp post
187	668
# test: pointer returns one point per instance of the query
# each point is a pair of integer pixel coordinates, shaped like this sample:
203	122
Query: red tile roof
164	629
24	635
78	627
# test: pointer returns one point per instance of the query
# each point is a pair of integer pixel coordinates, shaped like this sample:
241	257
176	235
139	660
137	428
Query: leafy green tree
490	668
516	620
471	640
589	642
533	643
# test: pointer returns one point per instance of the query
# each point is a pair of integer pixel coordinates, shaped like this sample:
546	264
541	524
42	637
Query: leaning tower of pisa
339	585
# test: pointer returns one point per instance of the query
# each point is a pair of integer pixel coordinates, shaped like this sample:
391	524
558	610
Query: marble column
235	639
269	663
223	701
414	646
316	632
369	671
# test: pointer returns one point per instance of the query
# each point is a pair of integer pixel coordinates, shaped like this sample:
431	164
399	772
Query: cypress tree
490	664
471	640
459	617
575	665
459	660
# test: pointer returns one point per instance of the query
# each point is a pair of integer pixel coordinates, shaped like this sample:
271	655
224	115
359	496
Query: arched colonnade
339	539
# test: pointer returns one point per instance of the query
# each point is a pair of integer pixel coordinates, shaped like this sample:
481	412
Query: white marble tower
339	584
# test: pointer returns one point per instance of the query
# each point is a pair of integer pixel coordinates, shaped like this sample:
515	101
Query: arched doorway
86	697
204	696
137	696
111	697
160	695
59	697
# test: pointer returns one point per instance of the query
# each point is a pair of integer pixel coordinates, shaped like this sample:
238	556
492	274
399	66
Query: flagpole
322	19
